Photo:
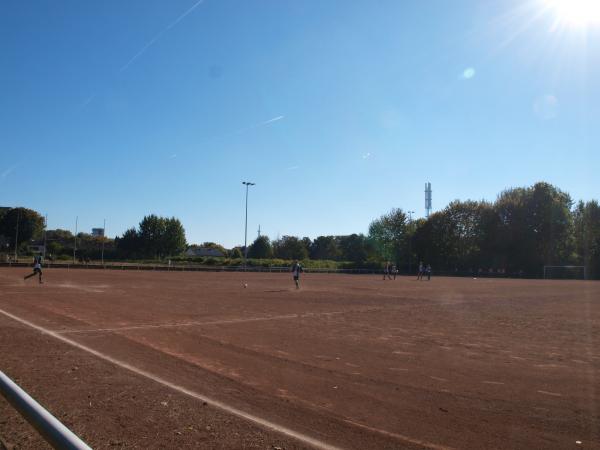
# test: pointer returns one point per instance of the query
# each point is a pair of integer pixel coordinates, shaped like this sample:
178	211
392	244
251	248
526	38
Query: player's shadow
278	290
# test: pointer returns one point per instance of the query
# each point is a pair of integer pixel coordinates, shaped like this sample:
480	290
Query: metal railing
54	432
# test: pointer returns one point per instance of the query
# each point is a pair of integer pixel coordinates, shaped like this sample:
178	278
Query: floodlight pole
75	242
45	233
103	238
247	184
410	213
17	234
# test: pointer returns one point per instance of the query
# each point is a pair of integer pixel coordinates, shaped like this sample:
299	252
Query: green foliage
389	235
214	246
355	247
261	248
587	236
156	237
535	226
325	247
235	253
30	225
290	247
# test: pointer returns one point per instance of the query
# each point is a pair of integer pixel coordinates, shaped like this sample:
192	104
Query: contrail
274	119
262	124
159	35
8	171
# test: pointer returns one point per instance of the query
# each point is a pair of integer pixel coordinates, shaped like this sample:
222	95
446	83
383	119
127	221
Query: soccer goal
565	272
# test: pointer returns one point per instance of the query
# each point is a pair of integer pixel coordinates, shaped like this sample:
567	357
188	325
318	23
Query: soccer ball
245	285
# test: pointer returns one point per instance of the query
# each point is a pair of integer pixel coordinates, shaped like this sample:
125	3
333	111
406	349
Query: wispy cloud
159	35
89	100
292	168
258	125
274	119
6	172
173	156
366	155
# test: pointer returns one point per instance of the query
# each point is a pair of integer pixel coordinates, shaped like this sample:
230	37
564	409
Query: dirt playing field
132	359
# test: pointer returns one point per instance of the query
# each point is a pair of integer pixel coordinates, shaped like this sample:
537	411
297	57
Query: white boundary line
193	324
264	423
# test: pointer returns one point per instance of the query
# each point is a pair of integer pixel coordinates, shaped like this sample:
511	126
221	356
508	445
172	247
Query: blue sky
338	110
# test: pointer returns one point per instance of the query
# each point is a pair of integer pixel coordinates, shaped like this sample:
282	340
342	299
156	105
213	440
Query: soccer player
420	274
296	269
428	270
387	270
37	268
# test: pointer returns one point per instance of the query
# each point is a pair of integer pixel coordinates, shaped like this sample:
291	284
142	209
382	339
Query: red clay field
131	359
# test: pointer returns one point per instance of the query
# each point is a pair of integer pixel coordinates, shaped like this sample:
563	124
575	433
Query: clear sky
337	110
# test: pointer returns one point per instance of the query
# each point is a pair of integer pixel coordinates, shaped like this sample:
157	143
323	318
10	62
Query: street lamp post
75	240
17	235
410	213
247	184
103	238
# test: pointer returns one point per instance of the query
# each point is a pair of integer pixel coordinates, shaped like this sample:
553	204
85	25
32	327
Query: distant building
98	232
204	251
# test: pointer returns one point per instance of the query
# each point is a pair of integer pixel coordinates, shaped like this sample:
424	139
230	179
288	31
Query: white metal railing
54	432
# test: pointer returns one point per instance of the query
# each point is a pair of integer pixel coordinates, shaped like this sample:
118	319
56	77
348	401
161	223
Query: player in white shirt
37	268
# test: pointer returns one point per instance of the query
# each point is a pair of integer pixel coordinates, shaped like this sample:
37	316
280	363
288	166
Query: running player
37	268
387	270
296	269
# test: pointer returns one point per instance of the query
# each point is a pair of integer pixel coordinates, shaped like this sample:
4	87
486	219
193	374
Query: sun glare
582	13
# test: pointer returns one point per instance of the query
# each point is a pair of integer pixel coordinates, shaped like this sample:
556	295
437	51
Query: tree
389	235
587	236
290	247
30	225
129	245
235	253
261	248
151	234
173	241
159	236
324	247
307	244
535	227
354	247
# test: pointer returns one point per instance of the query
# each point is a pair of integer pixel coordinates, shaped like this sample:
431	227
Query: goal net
565	272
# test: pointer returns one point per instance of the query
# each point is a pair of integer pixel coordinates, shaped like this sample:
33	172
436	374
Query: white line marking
400	436
192	324
554	394
215	403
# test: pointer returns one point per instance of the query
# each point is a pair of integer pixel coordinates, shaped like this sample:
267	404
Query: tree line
522	231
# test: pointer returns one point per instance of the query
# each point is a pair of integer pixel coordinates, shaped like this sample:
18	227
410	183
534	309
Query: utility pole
17	234
103	239
45	233
410	213
75	246
247	184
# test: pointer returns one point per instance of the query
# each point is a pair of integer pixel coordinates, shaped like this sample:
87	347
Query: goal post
565	273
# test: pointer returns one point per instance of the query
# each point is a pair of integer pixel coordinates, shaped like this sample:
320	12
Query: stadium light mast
410	213
103	238
45	234
75	240
247	184
17	234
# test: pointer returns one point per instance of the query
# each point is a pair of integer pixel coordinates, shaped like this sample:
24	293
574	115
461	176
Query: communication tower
427	199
